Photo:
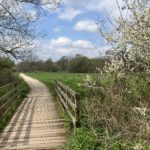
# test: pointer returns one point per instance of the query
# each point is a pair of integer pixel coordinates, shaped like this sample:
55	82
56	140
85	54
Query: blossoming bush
117	107
116	110
129	37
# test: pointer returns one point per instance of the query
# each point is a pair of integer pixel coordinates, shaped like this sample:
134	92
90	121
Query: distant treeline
79	64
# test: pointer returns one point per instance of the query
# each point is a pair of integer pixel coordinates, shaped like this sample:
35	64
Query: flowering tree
118	97
130	37
16	20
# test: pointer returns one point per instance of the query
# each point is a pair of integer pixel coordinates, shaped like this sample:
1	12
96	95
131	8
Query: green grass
73	80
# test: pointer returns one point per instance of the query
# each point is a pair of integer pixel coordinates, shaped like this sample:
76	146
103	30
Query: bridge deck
36	124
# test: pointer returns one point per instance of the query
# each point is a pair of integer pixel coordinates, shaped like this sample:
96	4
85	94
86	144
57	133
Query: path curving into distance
36	123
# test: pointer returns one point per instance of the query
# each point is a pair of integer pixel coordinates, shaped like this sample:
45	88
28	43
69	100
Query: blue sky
70	29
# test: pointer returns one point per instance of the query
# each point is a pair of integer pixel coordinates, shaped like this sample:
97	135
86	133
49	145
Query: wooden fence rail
70	101
9	95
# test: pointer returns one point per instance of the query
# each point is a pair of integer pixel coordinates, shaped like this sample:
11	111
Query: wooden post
77	113
69	100
18	91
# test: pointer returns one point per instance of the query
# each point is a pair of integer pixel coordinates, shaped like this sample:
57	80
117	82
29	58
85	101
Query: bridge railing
9	96
70	101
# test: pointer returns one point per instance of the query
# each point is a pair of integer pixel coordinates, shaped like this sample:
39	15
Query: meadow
73	80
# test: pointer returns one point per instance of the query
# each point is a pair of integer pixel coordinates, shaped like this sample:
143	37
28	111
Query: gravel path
36	124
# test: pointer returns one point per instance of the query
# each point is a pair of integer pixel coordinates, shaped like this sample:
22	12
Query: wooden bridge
36	123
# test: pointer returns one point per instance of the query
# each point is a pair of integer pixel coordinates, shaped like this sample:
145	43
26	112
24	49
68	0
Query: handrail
6	95
7	85
9	97
70	101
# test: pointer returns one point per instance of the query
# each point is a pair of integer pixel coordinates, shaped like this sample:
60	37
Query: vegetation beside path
110	115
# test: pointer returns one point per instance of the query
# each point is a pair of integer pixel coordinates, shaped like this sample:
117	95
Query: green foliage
62	63
80	64
7	68
37	65
83	139
77	64
6	63
98	63
116	102
24	89
132	87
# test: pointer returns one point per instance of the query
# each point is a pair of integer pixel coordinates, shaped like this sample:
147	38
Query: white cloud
82	44
86	25
98	5
69	13
66	42
61	46
61	41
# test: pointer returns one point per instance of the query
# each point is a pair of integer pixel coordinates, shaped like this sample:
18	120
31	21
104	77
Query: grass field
72	80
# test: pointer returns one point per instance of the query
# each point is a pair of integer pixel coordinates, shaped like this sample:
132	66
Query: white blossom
141	110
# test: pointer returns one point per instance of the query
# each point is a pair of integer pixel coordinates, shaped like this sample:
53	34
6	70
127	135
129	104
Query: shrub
83	139
118	105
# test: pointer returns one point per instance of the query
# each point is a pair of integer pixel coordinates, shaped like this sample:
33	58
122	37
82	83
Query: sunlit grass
73	80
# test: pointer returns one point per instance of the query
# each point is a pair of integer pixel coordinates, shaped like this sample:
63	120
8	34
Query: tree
129	37
80	64
29	63
98	63
48	65
118	96
63	63
24	66
16	31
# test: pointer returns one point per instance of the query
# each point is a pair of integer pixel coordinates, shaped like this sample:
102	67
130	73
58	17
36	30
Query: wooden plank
73	93
9	98
8	108
73	106
66	95
7	102
6	111
62	100
7	85
6	105
6	95
66	107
